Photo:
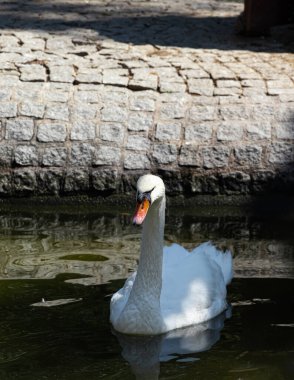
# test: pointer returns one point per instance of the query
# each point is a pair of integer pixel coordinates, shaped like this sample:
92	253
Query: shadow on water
144	353
157	24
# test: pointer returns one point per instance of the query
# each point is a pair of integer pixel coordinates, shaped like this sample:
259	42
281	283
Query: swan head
150	188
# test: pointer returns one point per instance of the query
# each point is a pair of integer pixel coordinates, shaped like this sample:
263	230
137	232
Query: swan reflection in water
144	353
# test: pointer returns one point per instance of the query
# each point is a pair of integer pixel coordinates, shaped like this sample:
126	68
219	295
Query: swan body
172	288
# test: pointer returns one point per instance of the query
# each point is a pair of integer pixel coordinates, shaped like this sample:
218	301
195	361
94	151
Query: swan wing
120	298
193	284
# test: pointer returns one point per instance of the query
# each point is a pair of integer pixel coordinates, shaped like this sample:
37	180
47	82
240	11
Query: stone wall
84	114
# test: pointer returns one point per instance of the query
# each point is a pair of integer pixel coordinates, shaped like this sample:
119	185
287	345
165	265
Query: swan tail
223	259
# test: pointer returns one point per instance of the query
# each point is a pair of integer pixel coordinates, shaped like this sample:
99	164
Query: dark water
83	255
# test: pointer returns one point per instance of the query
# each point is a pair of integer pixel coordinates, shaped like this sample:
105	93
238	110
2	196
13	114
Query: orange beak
141	211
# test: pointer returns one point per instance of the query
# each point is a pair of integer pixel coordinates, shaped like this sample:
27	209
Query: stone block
204	185
8	81
61	73
236	112
112	112
107	155
276	87
140	121
24	181
76	181
215	157
164	71
5	94
280	91
248	155
61	90
235	183
112	132
202	113
171	86
8	41
189	156
173	181
128	183
285	130
259	130
49	182
136	161
205	101
56	96
83	130
142	102
54	156
8	109
82	154
5	183
165	153
195	183
60	44
223	83
57	111
168	130
281	153
26	155
34	44
19	129
118	77
105	179
137	142
30	108
256	93
285	113
230	131
227	91
264	112
143	78
220	72
114	95
198	131
89	75
197	73
253	83
285	98
86	96
33	73
203	87
28	91
84	111
5	155
51	132
172	111
263	181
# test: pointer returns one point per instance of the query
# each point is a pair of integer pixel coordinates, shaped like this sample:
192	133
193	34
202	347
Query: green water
83	255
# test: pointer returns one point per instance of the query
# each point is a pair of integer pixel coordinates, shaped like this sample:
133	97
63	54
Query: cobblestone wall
82	113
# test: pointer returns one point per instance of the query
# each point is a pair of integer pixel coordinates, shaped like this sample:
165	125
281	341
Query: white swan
172	287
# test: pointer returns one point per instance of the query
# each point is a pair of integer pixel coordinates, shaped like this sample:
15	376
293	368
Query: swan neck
149	273
142	313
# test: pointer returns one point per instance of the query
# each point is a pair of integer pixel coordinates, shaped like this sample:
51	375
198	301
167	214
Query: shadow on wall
157	25
265	188
278	179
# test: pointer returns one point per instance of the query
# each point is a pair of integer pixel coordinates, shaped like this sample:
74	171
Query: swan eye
142	196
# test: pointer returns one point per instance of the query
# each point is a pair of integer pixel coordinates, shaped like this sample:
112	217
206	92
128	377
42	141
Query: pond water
59	267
